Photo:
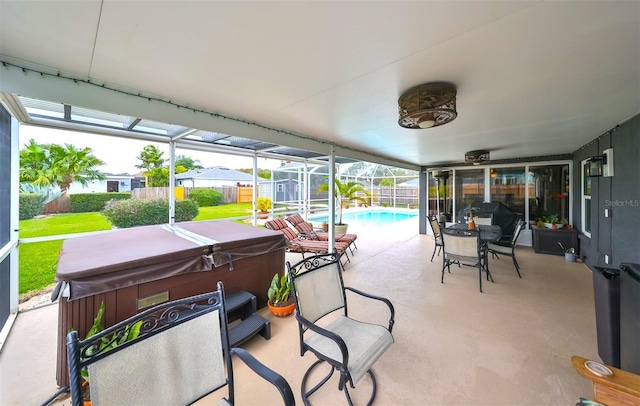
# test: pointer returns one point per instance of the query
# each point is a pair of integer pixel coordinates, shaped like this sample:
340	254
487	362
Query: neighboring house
214	177
112	183
287	190
288	181
410	183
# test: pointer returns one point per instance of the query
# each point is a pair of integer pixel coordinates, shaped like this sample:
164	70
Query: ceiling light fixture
476	157
427	105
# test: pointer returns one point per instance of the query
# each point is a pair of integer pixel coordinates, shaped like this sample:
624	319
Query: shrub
206	197
264	204
186	210
141	212
88	202
31	205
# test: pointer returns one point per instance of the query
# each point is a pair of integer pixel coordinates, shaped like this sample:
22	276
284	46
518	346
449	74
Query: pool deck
510	345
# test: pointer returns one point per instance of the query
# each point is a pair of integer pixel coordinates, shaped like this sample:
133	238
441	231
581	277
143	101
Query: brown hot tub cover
100	263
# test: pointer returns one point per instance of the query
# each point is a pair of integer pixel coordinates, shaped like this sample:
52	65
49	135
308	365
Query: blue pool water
370	218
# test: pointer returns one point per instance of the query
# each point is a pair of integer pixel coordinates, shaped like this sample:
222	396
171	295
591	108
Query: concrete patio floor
510	345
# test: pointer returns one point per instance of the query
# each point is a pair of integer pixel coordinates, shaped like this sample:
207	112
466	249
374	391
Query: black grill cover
502	216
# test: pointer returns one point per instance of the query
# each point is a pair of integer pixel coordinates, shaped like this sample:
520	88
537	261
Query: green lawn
68	223
224	211
38	260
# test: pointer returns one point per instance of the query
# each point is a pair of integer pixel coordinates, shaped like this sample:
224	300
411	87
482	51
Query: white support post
255	191
15	216
172	182
299	191
332	199
306	190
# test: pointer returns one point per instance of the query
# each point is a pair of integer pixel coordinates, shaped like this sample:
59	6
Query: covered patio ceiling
304	78
58	115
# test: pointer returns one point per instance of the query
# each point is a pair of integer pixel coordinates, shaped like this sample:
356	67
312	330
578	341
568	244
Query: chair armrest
294	243
309	236
392	311
329	334
268	374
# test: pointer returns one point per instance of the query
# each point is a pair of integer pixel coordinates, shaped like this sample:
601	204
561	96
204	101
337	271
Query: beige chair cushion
461	248
499	249
482	221
322	292
174	367
365	343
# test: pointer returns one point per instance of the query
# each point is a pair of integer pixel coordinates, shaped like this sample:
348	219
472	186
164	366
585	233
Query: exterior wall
286	190
208	182
618	234
100	186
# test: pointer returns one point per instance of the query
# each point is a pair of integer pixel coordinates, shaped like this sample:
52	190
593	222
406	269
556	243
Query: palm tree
71	164
53	164
345	193
33	165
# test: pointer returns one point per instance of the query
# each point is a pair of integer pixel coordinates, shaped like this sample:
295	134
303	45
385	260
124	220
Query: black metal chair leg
305	395
515	263
434	253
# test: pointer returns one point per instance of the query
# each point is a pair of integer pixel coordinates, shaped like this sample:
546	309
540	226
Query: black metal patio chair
463	247
437	235
349	346
508	248
172	354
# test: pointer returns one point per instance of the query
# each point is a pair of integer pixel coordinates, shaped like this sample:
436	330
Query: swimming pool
370	218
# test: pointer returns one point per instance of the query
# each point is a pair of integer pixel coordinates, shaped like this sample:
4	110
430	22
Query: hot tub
133	269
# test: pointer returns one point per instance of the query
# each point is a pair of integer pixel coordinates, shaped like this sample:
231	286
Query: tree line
50	165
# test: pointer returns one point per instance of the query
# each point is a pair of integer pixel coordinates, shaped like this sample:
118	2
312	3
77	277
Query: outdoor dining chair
437	235
348	345
508	248
483	221
462	248
307	231
172	354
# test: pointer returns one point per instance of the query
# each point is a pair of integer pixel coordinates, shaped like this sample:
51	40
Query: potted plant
344	194
551	221
106	344
264	205
279	297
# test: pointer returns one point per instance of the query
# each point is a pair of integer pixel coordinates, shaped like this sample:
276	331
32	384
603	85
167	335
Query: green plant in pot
264	205
345	193
107	343
279	297
551	221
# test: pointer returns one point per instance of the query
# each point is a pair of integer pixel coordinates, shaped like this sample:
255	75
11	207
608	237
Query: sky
120	154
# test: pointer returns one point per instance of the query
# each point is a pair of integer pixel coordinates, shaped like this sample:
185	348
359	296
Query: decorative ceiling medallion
427	105
476	157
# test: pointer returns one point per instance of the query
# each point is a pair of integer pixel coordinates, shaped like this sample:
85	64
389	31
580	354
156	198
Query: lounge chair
298	243
307	231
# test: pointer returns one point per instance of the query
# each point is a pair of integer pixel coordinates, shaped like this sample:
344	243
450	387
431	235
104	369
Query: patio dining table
486	234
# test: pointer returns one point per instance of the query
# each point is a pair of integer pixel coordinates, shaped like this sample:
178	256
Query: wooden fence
245	194
62	204
150	193
230	194
403	195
